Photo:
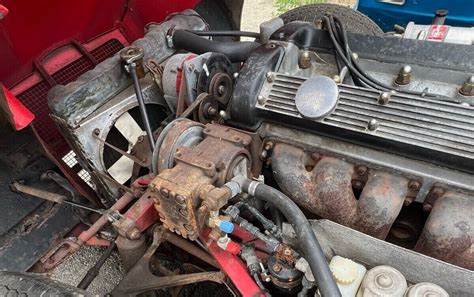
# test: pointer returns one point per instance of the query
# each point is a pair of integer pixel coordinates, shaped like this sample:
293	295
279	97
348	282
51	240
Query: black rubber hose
306	239
227	33
235	51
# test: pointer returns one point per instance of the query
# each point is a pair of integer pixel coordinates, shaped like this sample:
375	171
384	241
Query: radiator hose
306	239
235	51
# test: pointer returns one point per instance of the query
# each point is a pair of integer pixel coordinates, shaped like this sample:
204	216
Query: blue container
387	13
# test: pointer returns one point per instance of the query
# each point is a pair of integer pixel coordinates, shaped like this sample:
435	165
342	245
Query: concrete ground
257	11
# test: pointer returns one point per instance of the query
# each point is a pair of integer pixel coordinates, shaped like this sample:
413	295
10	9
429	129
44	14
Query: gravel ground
75	267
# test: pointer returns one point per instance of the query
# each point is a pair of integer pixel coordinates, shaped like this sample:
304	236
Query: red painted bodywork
18	115
233	267
33	26
38	39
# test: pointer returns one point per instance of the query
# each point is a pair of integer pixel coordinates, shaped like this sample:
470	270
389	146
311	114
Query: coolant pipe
235	51
307	240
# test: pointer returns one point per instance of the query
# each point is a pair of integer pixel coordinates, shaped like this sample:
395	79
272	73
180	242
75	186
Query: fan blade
129	128
121	170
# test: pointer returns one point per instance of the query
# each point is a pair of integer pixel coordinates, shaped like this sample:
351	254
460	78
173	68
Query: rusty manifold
323	185
326	190
448	233
186	193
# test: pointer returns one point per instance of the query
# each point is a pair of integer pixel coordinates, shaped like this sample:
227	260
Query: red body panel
33	26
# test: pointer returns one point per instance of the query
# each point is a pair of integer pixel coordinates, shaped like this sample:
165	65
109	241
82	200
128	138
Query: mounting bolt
427	207
384	98
96	131
180	199
305	60
276	267
437	192
408	201
165	192
261	100
270	77
212	111
337	79
404	75
269	145
373	125
467	88
135	234
414	185
361	170
223	115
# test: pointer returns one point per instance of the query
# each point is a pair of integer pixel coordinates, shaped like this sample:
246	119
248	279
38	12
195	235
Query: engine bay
312	160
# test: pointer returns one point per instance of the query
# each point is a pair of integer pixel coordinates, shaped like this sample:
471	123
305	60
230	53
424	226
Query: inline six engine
375	133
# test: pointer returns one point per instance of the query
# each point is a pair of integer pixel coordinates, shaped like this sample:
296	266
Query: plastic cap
233	248
344	270
226	227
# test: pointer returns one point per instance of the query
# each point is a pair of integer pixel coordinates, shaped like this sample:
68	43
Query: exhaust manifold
326	190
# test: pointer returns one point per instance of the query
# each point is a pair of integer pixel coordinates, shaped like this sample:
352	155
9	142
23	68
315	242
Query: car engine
277	154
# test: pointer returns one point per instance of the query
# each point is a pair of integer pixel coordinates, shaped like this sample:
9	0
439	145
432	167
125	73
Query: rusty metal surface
191	183
449	231
323	185
140	279
187	246
380	203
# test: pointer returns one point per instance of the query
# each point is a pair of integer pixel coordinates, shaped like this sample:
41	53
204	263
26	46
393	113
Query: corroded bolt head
135	234
427	207
373	125
414	185
361	170
276	267
165	192
467	88
269	145
437	192
180	199
408	201
287	252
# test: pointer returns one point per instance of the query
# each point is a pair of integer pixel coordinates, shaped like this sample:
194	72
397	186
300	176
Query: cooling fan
108	141
128	134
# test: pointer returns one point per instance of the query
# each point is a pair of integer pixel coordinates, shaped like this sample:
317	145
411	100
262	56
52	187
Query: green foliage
285	5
